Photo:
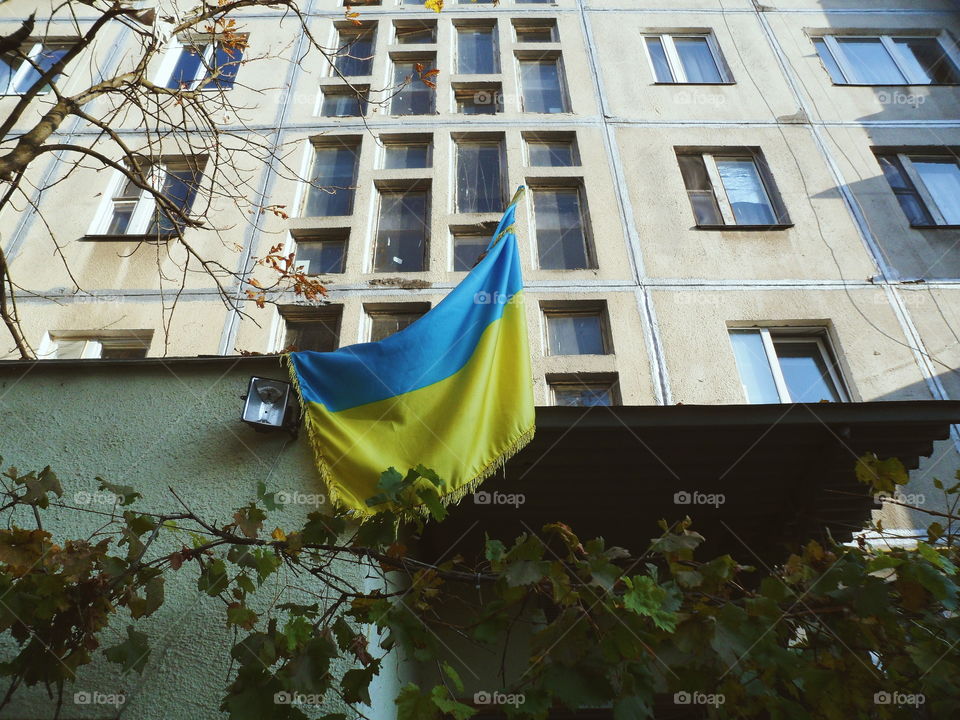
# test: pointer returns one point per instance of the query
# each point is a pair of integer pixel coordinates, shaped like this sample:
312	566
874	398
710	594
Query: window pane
746	193
46	59
476	51
870	61
906	193
942	180
552	153
122	351
343	104
542	91
575	334
227	61
660	65
478	102
320	336
698	61
926	58
321	256
829	62
399	156
536	33
479	182
755	373
187	69
8	68
699	189
414	98
383	325
561	243
70	349
180	187
355	53
120	220
805	372
402	232
583	395
334	177
416	35
467	250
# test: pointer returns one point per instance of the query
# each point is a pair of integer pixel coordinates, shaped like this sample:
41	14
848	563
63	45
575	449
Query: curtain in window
698	61
745	191
871	62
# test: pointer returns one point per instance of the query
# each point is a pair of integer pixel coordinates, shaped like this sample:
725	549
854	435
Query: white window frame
849	71
796	335
906	161
720	190
26	67
676	64
93	344
171	57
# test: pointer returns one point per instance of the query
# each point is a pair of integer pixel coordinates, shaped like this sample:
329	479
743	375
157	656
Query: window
469	243
686	59
105	345
402	231
731	187
322	255
334	179
412	94
584	390
542	86
550	150
421	32
311	328
204	65
528	31
560	227
21	69
782	366
349	3
132	210
576	329
355	52
386	321
478	100
887	60
407	153
480	176
927	186
344	102
477	50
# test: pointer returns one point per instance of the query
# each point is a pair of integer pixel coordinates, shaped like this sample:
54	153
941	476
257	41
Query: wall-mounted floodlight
270	405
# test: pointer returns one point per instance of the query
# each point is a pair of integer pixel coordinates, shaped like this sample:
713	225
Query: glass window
207	66
321	257
658	56
134	211
684	59
412	96
478	101
179	186
575	332
334	181
344	102
542	86
586	393
783	366
385	323
468	246
829	62
479	176
407	154
418	34
355	52
402	231
745	191
700	190
477	51
926	58
887	60
319	334
545	31
903	187
870	61
561	237
18	76
552	153
941	177
124	204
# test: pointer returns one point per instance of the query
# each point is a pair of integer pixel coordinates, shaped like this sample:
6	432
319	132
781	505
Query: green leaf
269	500
249	519
297	632
934	532
132	653
39	486
645	597
126	493
239	614
431	499
495	551
391	484
213	578
882	475
447	705
412	705
309	672
454	676
322	529
356	684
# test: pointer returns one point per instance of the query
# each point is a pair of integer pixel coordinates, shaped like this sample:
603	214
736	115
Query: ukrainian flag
452	391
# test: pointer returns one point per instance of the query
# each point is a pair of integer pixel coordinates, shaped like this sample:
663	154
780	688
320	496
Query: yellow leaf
435	5
278	534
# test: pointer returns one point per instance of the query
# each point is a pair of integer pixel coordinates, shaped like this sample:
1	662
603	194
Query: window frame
799	334
526	56
341	236
395	91
590	260
585	380
359	93
542	138
419	186
550	310
357	33
372	310
200	80
491	27
905	159
94	343
37	47
675	63
848	70
466	139
292	315
351	142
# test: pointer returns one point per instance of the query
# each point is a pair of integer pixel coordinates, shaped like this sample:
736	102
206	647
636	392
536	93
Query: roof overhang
785	473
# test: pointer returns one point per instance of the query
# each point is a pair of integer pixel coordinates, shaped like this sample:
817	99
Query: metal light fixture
270	405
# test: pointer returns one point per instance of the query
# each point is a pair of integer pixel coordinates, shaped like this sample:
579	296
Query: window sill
935	227
747	228
128	238
696	84
896	85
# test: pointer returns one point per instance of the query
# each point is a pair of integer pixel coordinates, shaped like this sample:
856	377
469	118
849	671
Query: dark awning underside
786	472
